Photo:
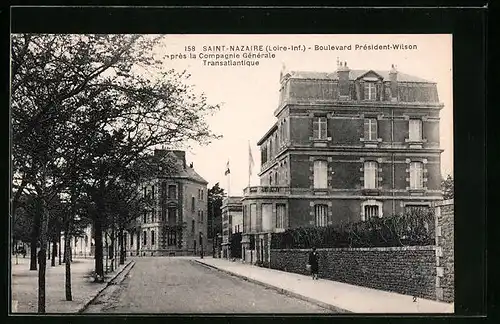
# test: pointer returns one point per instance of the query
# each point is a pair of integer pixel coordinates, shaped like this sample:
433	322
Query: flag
227	169
250	160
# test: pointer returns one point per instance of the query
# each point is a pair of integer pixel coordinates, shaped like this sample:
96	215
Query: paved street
179	285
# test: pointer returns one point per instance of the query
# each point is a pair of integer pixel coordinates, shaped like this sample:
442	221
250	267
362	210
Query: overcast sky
250	94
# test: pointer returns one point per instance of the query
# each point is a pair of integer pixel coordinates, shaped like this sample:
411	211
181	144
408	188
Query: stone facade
405	270
177	222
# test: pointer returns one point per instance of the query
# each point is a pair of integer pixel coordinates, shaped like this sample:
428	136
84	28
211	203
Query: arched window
152	237
371	209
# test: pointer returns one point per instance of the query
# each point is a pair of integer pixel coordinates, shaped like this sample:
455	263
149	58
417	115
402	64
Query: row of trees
86	111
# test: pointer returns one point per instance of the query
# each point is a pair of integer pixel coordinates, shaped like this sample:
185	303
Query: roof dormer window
370	91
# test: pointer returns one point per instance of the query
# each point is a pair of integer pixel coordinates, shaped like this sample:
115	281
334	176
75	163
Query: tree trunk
107	253
34	241
54	252
35	231
59	246
65	252
43	261
99	267
112	249
67	261
122	247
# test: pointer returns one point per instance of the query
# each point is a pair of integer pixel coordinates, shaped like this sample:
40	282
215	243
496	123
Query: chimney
393	77
343	75
181	155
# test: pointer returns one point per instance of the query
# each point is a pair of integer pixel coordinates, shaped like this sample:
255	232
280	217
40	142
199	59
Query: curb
111	281
278	289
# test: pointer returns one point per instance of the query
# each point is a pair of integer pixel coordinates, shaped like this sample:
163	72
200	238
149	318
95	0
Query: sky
249	94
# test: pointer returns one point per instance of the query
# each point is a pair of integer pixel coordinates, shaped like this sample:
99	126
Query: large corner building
346	146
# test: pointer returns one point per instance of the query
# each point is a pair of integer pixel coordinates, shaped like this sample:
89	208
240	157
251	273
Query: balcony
271	191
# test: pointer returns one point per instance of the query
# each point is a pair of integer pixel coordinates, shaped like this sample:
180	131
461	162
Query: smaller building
232	223
82	245
175	223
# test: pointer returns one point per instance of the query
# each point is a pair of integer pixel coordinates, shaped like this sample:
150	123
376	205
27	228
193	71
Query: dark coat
313	261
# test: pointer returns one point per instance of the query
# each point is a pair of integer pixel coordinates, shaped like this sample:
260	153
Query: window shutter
315	127
367	128
373	129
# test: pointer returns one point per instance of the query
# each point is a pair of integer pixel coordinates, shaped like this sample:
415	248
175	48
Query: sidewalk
24	286
331	294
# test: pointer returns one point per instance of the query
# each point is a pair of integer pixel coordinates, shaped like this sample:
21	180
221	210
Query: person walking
313	263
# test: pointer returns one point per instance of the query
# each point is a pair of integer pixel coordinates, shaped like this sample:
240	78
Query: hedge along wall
423	271
406	270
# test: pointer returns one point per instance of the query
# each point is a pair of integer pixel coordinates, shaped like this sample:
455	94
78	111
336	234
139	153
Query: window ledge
320	191
370	191
417	191
327	139
421	141
378	140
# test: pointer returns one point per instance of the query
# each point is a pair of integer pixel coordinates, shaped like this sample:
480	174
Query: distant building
232	222
82	245
347	146
177	222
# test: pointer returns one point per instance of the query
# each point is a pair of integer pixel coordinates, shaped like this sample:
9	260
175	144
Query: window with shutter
415	129
320	174
370	129
416	175
280	215
370	174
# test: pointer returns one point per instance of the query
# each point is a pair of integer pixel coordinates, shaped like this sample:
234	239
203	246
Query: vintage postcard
232	174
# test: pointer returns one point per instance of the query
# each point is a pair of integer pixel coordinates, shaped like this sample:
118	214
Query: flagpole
250	163
228	170
249	167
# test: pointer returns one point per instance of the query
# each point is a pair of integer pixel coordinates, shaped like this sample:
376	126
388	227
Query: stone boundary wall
406	270
445	269
422	271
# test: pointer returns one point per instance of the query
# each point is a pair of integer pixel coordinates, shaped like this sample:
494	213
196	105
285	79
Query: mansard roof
354	75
